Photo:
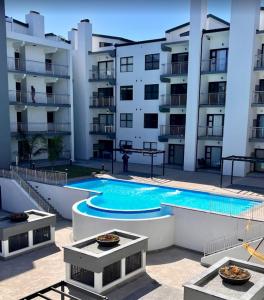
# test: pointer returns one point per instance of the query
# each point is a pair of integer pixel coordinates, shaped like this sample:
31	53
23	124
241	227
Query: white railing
214	65
18	64
175	68
174	100
210	131
35	98
257	133
176	131
40	127
103	74
256	231
102	101
213	99
49	177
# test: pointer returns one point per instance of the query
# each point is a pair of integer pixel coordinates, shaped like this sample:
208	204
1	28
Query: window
150	120
111	273
150	145
152	61
133	262
48	64
104	44
126	64
151	91
82	275
126	120
50	117
41	235
126	92
17	242
125	144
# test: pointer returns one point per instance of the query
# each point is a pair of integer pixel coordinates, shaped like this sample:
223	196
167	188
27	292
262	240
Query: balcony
40	99
174	69
103	102
19	65
103	129
210	132
172	101
171	132
102	75
213	66
213	99
258	98
257	134
259	61
23	128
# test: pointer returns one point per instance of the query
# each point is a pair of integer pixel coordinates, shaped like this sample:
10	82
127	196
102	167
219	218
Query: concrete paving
167	270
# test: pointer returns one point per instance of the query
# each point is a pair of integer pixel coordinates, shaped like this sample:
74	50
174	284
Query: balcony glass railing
214	65
18	64
102	74
210	131
257	133
102	128
175	68
175	100
176	131
213	99
258	97
35	98
102	101
23	127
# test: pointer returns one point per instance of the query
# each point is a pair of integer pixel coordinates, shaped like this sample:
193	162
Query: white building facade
188	93
39	88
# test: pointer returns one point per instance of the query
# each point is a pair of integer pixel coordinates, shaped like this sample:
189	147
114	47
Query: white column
30	239
52	234
5	250
198	15
98	282
244	21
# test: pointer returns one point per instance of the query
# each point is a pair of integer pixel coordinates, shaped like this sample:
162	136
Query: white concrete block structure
196	93
40	87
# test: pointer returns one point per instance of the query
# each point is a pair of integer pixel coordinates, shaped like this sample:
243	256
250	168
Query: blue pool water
130	200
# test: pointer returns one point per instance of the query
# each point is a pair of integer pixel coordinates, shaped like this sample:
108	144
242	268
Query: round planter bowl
18	217
108	240
234	281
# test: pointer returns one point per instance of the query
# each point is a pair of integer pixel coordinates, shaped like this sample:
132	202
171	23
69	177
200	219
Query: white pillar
5	248
98	282
244	22
198	16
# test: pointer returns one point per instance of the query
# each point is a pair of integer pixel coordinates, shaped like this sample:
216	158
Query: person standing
125	158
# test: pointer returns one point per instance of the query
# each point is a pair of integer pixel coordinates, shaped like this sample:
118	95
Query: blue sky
133	19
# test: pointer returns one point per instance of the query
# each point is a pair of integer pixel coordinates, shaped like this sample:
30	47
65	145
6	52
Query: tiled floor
167	270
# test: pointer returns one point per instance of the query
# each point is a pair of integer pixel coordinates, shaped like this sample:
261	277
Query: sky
132	19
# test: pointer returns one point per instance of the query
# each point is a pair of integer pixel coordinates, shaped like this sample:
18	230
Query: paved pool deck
167	271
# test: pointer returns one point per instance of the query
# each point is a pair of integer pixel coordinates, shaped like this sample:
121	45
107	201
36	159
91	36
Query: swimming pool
118	199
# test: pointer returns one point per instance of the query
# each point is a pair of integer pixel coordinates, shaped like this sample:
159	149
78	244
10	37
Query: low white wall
14	198
160	231
194	229
61	198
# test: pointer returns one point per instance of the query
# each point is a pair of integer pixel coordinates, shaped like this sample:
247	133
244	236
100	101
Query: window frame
125	143
157	120
126	64
153	93
152	62
126	88
126	120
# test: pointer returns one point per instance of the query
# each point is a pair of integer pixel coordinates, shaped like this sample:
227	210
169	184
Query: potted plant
108	240
18	217
234	275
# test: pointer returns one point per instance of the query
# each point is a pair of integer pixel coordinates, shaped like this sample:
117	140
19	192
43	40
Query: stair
36	196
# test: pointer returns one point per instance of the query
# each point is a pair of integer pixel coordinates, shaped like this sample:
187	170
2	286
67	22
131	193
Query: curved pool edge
85	225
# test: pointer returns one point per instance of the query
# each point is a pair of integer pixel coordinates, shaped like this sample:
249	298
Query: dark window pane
17	242
150	120
111	273
152	61
41	235
133	262
126	92
82	275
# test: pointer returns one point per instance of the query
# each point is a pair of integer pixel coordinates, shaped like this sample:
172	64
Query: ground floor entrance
103	149
213	156
259	167
176	154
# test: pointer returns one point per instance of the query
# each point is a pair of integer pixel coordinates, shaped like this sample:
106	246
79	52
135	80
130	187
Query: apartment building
180	93
39	87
